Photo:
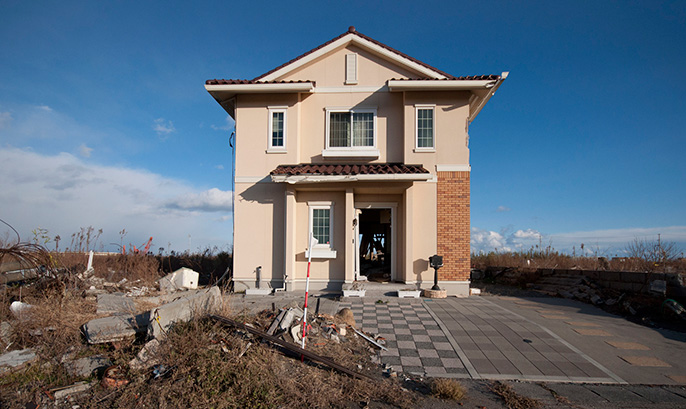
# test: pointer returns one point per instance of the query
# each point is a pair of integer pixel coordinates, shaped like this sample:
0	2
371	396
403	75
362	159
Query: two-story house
362	146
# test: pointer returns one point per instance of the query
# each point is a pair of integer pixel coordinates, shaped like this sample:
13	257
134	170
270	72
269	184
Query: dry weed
446	388
512	399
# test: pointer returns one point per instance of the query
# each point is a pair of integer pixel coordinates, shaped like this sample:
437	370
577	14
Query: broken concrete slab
78	387
115	328
181	279
16	359
191	304
85	367
292	314
147	356
115	303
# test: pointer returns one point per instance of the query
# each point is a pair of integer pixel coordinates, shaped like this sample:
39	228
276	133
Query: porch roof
314	173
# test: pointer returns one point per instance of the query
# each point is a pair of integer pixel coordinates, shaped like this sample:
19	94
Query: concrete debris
192	303
296	333
675	307
147	356
12	360
276	322
181	279
245	349
88	366
116	303
115	328
292	314
63	393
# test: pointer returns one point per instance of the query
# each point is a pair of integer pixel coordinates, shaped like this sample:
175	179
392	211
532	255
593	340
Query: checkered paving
415	342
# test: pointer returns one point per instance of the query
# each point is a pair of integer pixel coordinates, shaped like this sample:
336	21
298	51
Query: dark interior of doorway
375	244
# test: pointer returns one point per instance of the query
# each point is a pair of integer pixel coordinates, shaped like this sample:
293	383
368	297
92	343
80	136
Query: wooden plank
291	347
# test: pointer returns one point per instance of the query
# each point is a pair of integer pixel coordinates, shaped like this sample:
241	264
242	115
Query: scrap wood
369	339
291	347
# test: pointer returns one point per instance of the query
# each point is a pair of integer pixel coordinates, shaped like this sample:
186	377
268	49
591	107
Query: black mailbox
436	261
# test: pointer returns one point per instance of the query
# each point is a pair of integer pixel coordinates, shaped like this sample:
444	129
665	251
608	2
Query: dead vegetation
446	388
512	399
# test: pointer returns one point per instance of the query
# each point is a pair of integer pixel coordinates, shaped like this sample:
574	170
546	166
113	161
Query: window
425	128
277	129
321	227
351	133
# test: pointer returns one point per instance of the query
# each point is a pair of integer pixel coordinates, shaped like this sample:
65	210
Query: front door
374	244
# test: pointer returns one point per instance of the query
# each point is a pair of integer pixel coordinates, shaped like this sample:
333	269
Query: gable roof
352	35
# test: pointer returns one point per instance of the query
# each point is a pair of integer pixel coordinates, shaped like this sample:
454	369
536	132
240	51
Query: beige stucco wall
265	226
329	70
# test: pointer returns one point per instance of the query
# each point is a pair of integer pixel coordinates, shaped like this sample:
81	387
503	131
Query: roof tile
348	169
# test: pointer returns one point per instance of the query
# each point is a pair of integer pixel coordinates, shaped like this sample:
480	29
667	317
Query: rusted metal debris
291	347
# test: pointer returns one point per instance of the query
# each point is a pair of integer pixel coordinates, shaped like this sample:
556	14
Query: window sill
424	150
350	153
321	253
274	150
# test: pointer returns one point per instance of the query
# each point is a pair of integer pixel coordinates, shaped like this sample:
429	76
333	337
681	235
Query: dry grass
445	388
512	399
208	371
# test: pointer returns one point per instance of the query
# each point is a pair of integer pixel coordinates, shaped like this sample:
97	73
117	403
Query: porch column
289	238
349	248
453	229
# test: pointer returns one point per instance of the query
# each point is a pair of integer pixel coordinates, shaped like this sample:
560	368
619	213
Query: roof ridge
353	31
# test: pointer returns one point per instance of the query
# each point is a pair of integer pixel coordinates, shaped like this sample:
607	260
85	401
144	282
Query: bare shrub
512	399
448	389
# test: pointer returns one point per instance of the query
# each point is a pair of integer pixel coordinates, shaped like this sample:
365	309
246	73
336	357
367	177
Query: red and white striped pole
313	242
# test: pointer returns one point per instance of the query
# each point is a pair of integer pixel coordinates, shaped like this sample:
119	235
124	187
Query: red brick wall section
453	225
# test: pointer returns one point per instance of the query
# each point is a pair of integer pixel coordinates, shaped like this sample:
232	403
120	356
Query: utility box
181	279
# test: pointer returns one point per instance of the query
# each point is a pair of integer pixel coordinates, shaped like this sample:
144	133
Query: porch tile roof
348	170
234	82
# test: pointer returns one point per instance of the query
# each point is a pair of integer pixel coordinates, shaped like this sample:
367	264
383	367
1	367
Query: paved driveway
535	339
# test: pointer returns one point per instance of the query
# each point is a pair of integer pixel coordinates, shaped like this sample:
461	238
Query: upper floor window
426	128
277	129
351	132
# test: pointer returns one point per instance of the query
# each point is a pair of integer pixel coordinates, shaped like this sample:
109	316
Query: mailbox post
436	262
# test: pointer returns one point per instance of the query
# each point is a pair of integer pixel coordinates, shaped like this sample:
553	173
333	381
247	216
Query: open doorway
375	244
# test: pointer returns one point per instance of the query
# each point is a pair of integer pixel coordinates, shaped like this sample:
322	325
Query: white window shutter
351	68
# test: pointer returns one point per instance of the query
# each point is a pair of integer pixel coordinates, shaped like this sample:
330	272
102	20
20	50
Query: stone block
115	328
115	303
85	367
192	304
433	293
16	359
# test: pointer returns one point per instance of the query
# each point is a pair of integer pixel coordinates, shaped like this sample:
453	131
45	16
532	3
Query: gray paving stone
615	393
406	345
427	353
658	394
577	393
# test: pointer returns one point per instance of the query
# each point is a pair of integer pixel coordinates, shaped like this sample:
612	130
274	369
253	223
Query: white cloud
62	194
501	209
220	167
228	126
85	151
163	127
5	119
603	242
486	240
213	200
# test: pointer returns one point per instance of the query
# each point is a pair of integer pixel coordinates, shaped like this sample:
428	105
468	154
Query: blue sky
104	120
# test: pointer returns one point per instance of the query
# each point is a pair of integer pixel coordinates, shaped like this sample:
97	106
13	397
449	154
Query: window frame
321	250
270	137
421	107
370	151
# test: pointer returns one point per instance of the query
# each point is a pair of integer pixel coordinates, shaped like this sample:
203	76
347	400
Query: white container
181	279
354	293
409	293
